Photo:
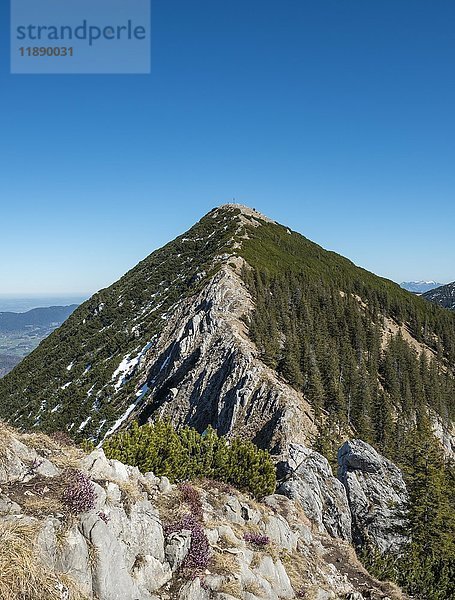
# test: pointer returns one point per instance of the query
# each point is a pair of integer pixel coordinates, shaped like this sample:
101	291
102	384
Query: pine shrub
185	455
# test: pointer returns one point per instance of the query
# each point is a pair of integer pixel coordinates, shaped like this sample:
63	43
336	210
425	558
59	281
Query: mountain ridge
95	370
419	287
443	296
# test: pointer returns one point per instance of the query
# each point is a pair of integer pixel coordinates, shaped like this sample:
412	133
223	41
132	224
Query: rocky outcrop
204	370
376	494
445	433
307	478
137	539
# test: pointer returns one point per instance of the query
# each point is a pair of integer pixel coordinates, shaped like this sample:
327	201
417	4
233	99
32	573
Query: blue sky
333	117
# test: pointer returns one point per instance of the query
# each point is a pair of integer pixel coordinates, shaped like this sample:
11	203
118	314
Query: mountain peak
246	211
419	287
232	324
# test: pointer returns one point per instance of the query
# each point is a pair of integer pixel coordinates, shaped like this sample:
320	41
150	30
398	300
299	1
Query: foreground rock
377	496
308	479
140	539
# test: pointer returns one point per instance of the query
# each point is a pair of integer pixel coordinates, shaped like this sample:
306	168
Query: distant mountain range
22	304
20	333
420	287
444	296
52	316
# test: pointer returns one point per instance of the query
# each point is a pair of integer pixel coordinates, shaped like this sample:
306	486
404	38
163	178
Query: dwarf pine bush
185	455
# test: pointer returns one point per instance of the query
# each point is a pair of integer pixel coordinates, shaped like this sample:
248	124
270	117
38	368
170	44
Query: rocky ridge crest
204	370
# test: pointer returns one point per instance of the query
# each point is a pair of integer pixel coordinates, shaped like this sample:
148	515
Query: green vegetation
319	322
274	251
186	455
427	568
330	346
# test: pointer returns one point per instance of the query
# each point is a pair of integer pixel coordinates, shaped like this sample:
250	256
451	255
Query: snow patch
128	365
84	424
119	422
141	392
165	363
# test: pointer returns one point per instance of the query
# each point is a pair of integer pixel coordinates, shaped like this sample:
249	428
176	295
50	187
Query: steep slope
204	331
444	296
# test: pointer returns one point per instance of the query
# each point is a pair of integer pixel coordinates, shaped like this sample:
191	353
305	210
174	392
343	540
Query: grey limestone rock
308	479
377	496
118	550
177	547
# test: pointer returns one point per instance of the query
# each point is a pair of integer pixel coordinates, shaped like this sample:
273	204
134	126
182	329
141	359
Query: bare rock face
204	370
308	479
377	496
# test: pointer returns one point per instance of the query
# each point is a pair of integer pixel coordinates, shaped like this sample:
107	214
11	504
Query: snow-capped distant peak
419	287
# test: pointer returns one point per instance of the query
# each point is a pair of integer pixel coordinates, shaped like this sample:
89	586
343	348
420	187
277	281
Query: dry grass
39	505
224	563
232	587
254	588
256	560
93	555
149	488
40	442
40	496
228	541
130	494
297	568
61	534
63	455
6	436
170	507
22	573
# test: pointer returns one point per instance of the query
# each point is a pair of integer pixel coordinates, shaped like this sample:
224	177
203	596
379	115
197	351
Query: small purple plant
198	556
79	495
192	497
301	593
104	517
257	539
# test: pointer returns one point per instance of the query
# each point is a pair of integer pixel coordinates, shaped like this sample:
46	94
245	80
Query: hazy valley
20	333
